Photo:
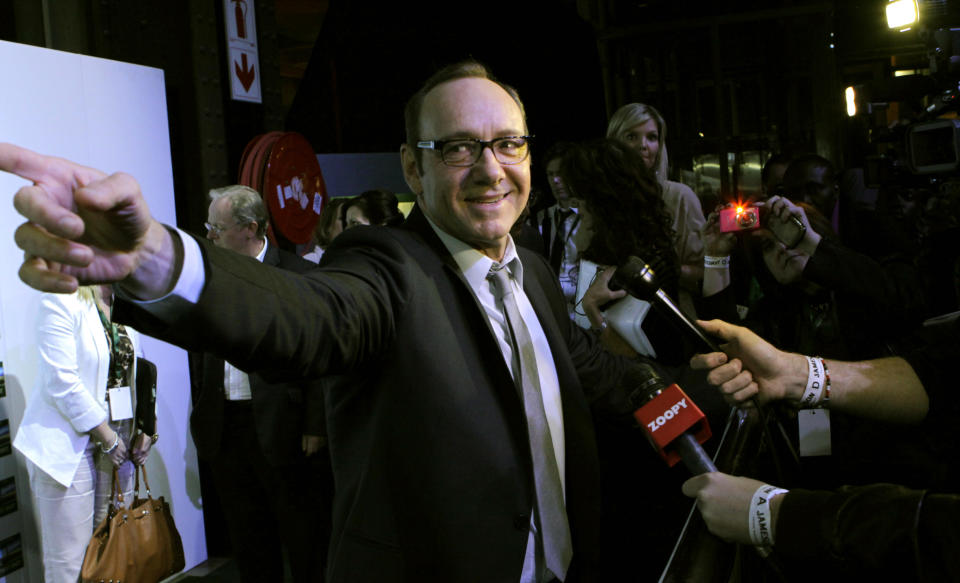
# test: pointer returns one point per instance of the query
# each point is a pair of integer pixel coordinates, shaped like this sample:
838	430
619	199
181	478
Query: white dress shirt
236	383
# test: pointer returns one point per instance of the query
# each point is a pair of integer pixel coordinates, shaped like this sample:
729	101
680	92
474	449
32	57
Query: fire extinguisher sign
243	63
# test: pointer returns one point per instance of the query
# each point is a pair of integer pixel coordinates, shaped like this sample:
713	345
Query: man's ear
411	172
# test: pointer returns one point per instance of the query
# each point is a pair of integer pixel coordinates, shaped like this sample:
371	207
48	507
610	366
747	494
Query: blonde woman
67	433
644	129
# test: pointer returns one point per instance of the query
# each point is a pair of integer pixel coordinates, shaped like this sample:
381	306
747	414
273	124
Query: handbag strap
146	483
117	492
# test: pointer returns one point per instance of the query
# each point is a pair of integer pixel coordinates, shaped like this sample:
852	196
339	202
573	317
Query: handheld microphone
639	280
673	424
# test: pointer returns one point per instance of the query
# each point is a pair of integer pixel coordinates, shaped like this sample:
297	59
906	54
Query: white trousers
69	515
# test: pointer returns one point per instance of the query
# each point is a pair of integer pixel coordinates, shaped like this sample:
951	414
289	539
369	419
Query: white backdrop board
111	116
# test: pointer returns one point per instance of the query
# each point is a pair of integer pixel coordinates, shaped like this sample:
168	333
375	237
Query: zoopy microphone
673	424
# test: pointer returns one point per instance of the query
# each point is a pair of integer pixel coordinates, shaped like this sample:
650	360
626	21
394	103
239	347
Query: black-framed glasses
467	151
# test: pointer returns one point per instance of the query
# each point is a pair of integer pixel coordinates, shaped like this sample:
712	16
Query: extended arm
880	527
886	389
892	288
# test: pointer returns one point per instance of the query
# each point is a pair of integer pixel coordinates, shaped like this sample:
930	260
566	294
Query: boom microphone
674	425
639	280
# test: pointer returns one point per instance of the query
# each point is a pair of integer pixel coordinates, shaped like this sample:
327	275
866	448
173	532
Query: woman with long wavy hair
623	214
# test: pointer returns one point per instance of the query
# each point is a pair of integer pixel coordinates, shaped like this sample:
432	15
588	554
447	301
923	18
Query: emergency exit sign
243	64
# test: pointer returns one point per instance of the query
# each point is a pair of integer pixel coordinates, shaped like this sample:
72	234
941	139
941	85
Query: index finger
707	361
20	161
36	167
718	328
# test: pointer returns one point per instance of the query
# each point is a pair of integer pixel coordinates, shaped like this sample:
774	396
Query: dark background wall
730	77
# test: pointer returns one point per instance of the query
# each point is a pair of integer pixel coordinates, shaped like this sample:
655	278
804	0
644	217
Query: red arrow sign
245	74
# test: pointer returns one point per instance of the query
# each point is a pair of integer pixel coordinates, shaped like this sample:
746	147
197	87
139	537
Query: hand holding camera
716	243
790	225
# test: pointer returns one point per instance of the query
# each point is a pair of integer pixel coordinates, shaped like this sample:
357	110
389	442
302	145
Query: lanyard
113	336
116	376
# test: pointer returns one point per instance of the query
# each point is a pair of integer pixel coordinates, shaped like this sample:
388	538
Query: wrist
159	261
716	262
775	503
816	393
811	240
795	376
760	516
113	446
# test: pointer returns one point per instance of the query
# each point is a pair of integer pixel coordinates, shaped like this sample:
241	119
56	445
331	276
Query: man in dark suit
255	436
432	447
558	225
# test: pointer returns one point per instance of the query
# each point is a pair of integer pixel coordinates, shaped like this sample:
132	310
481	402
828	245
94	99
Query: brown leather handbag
139	544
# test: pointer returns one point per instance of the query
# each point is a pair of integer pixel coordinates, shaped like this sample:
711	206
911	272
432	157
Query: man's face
786	265
556	184
477	204
227	233
811	184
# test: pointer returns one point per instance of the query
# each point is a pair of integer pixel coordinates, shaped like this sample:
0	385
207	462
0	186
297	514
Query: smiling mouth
487	200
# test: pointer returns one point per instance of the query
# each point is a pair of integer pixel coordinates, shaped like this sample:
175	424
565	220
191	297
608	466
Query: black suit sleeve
293	325
905	534
892	288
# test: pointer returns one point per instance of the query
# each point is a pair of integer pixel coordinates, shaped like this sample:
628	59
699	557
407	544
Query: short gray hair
246	204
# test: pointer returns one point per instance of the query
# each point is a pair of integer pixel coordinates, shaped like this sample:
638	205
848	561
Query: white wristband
813	394
716	262
761	527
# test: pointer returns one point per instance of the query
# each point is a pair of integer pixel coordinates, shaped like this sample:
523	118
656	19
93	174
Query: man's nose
488	167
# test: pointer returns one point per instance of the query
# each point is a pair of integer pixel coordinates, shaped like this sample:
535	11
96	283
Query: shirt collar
263	250
475	265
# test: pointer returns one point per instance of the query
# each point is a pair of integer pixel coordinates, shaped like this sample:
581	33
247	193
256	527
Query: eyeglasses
467	151
216	229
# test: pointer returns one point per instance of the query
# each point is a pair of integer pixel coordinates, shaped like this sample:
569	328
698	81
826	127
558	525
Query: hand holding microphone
742	349
750	367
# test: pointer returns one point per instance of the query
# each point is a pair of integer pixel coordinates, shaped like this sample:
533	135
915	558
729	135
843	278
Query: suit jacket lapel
272	256
417	222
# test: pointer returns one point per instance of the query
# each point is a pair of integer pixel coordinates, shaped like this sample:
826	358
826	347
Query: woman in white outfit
67	434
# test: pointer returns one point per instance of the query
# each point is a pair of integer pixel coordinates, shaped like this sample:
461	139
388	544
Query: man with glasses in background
463	448
255	437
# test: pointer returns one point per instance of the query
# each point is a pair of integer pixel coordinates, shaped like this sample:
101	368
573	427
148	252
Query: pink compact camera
739	218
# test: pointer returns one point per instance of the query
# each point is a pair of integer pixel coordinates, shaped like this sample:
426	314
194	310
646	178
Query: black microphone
640	281
673	424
